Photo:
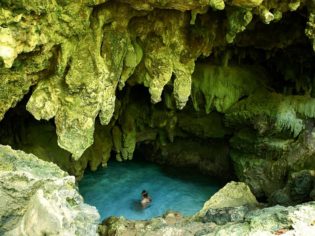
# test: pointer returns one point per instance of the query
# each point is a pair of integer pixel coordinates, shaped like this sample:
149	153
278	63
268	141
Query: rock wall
38	198
231	81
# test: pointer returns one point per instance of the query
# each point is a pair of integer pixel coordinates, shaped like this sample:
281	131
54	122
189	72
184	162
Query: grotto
204	100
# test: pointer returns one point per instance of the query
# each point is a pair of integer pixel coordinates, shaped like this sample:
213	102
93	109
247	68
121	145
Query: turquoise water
116	190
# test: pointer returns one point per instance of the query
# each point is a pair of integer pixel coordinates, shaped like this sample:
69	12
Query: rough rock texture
224	215
238	219
37	198
299	188
228	80
78	54
40	139
279	144
233	194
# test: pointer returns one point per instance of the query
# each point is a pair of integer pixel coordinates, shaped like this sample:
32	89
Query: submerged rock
38	198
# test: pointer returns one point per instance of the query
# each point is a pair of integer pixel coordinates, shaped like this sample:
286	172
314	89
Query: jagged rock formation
228	79
38	198
233	194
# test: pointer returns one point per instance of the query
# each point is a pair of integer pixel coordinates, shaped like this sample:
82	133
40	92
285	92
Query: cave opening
179	172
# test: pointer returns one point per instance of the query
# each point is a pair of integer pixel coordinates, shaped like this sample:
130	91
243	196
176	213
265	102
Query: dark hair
144	193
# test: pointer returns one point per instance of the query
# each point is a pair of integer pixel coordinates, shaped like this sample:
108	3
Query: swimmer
146	199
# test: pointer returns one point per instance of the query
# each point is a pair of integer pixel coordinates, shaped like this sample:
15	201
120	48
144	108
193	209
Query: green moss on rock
221	87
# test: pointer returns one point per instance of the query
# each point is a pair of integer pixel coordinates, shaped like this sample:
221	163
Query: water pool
116	190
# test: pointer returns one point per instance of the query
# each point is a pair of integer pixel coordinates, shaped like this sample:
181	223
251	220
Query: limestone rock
301	184
171	223
38	198
233	194
310	29
77	54
273	220
194	154
238	19
222	86
266	154
28	40
298	189
175	4
224	215
246	3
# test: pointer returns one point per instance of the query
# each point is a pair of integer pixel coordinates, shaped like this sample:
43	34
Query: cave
182	184
195	91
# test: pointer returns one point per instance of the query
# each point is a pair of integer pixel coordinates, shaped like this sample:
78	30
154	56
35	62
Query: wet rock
281	196
38	198
298	189
301	186
197	154
312	194
224	215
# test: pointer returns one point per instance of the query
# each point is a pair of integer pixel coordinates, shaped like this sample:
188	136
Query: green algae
221	87
276	111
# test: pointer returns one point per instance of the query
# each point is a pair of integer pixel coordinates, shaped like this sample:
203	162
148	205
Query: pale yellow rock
38	198
246	3
7	47
233	194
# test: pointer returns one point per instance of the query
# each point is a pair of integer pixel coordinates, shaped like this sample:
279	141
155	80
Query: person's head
144	193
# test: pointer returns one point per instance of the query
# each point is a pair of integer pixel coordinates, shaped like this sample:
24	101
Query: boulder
301	185
38	198
299	188
233	194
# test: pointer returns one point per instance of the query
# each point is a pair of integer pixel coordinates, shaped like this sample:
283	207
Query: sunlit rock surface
37	198
234	194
